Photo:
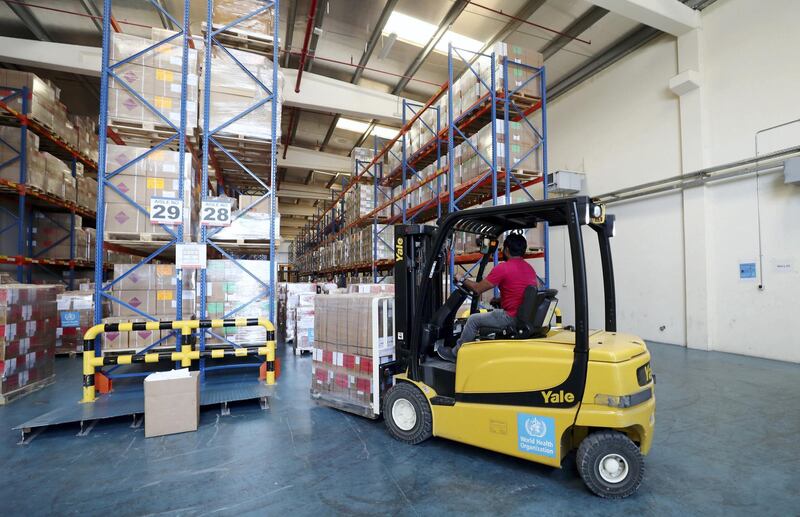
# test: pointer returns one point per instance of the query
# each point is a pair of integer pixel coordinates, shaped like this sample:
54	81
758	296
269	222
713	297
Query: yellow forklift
529	390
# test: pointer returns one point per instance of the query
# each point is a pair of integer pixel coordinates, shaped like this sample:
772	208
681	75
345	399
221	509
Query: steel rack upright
220	37
177	139
30	199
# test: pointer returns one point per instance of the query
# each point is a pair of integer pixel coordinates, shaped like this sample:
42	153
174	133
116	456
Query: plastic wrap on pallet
231	290
233	92
352	334
42	100
229	11
156	175
156	76
28	318
250	226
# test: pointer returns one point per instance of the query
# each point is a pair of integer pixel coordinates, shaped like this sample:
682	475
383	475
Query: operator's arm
478	287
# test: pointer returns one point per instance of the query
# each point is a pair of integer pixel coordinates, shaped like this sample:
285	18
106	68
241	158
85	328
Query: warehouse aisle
733	419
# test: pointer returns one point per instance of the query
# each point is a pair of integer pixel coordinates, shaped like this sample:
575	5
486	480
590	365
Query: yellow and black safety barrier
185	356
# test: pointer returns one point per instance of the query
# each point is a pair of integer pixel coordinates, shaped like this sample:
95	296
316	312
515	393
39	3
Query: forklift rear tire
407	414
610	464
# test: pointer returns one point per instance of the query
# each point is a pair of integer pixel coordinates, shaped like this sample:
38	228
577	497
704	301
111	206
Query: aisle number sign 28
166	210
215	212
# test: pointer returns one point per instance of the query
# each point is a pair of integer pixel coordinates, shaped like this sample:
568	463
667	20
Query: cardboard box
171	402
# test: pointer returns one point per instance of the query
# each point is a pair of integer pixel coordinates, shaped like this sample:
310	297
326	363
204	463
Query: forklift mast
412	244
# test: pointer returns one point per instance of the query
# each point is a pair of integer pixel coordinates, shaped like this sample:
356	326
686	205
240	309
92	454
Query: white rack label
215	212
190	256
165	210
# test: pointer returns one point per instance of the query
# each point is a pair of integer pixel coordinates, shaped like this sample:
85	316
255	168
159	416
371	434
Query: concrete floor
726	444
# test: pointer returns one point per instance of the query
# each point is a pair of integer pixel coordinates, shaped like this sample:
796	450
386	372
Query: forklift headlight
623	401
614	228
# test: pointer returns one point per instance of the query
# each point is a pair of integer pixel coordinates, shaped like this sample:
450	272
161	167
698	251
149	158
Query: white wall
623	128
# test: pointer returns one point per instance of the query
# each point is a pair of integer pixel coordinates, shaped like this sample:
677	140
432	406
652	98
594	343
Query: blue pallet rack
178	140
30	200
503	104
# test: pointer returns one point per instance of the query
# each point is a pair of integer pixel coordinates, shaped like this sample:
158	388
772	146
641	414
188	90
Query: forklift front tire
610	464
407	414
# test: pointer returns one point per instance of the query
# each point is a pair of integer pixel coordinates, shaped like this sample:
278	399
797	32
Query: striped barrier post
185	356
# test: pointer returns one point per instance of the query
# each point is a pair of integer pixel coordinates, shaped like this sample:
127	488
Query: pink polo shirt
512	277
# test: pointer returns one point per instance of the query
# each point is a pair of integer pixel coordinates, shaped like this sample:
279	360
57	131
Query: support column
687	85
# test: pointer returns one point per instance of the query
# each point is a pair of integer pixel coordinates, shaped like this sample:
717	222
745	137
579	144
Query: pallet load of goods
353	335
230	287
28	320
75	317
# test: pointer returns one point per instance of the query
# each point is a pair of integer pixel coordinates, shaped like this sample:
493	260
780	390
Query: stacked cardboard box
28	318
233	92
251	224
156	77
292	295
51	237
36	162
42	98
230	11
156	175
230	287
346	350
87	140
76	316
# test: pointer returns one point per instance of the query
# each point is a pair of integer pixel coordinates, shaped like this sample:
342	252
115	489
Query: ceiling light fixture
356	126
417	32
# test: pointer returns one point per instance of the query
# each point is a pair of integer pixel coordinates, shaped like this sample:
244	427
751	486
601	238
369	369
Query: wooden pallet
149	134
236	37
7	398
140	237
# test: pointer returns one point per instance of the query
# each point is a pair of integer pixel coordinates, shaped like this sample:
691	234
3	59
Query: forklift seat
533	317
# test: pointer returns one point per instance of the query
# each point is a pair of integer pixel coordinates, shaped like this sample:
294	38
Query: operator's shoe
446	353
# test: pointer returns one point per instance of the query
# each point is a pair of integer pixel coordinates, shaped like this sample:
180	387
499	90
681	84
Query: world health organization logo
535	427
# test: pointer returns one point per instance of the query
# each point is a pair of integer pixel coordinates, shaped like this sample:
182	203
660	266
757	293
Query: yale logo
555	398
398	249
648	372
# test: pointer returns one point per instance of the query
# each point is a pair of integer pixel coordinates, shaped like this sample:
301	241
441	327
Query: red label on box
363	385
327	357
349	361
366	364
341	380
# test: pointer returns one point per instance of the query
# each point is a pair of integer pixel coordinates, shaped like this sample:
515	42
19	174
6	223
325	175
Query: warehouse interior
243	242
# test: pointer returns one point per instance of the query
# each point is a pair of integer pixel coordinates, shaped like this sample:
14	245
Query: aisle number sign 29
215	212
166	210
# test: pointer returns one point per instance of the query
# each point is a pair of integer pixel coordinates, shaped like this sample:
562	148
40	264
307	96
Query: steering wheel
459	286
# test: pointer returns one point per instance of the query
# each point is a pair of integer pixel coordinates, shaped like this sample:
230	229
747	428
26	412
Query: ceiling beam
574	29
301	158
91	10
455	10
618	50
671	17
32	23
525	12
372	42
165	21
302	191
319	93
296	210
290	21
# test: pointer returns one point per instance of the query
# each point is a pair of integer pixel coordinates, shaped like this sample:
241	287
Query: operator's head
514	245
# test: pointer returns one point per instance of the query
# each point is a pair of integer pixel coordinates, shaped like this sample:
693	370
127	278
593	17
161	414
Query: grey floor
727	431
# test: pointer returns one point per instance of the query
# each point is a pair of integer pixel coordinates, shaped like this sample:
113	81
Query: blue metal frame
102	289
22	220
499	98
209	139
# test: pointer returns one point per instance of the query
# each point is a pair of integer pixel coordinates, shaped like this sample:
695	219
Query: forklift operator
511	277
